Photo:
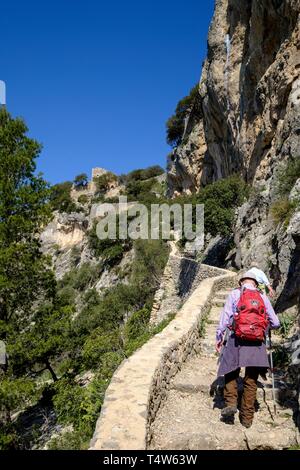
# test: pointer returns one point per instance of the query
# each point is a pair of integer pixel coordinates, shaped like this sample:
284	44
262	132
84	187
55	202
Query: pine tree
26	279
81	181
23	214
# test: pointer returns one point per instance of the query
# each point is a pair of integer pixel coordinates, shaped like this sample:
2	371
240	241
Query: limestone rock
271	440
295	193
246	118
65	230
294	225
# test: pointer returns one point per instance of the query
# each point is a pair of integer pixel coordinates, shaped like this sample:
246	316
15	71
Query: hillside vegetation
58	331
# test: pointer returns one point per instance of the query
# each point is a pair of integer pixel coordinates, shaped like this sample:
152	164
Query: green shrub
152	172
98	343
162	325
81	181
71	440
159	188
8	438
15	394
110	251
65	367
97	328
140	191
75	255
103	182
68	279
175	124
131	346
66	296
99	198
109	362
91	298
108	313
136	324
85	276
113	255
202	325
69	402
281	357
141	174
80	406
282	211
145	333
287	177
78	279
220	200
60	198
151	257
111	200
83	199
287	321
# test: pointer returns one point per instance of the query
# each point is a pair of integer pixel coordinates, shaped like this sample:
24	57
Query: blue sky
96	81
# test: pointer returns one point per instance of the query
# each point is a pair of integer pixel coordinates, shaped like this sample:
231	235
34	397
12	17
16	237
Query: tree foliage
53	330
175	124
287	177
60	198
104	181
31	331
220	200
142	174
24	210
81	181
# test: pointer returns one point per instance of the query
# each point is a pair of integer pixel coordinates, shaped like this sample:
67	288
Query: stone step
210	328
207	346
196	385
275	439
223	293
245	439
215	323
214	313
190	418
208	351
221	298
218	302
210	334
191	381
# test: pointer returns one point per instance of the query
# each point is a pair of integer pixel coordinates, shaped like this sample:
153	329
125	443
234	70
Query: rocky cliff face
247	116
247	120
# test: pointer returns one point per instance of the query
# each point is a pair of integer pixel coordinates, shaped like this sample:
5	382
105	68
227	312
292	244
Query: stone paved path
190	416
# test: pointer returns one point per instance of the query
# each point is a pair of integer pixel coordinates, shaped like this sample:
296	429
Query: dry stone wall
181	277
141	383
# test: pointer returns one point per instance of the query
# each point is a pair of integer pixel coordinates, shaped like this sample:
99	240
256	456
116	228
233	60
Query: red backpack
250	320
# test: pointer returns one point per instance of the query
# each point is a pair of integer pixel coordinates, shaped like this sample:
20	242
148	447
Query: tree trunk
48	366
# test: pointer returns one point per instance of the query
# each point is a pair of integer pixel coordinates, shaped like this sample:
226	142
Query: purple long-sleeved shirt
230	308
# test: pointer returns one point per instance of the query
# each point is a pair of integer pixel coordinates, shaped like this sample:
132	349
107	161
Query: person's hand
219	346
271	291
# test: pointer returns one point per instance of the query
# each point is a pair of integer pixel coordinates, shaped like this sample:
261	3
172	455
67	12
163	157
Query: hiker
245	319
263	282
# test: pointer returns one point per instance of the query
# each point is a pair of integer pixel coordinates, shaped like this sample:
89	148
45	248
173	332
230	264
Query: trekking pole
272	372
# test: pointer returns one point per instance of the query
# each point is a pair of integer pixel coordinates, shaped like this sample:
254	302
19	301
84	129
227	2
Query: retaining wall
141	382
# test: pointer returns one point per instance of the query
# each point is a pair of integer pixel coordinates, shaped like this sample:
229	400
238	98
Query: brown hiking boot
246	424
228	411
